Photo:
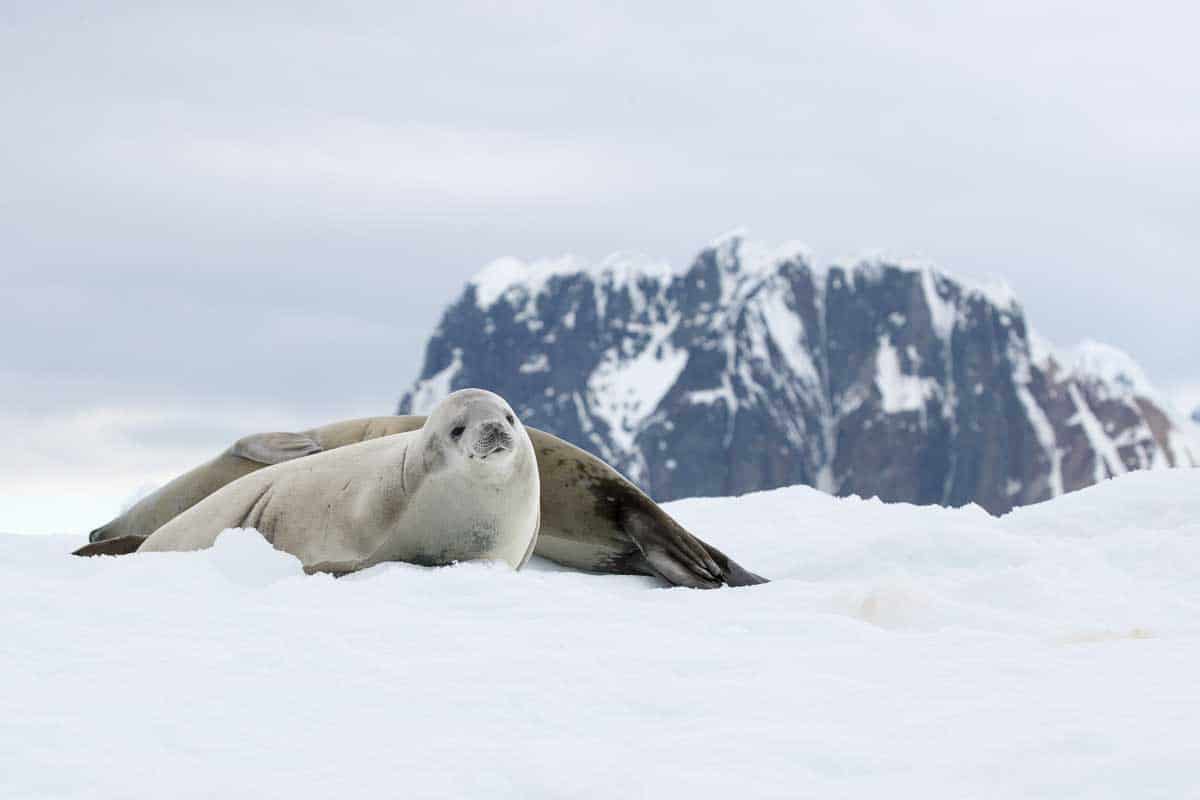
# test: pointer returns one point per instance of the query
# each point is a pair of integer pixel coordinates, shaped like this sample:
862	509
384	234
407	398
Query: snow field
899	651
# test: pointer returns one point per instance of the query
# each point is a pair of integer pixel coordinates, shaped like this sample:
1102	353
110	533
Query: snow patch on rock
624	391
899	392
513	277
1111	365
1105	449
431	391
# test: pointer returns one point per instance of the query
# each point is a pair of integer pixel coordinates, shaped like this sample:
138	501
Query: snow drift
899	651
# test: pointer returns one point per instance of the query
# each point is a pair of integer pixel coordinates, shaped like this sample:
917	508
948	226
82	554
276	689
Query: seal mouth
500	447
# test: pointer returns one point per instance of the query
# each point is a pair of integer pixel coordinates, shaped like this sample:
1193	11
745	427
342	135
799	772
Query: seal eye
510	419
457	431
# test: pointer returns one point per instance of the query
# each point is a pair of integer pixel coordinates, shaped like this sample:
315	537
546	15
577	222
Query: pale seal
592	517
462	487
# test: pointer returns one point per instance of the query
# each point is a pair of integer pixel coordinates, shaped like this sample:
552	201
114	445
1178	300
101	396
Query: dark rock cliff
753	370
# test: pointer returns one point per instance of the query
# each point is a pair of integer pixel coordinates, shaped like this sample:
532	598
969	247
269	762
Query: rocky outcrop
753	369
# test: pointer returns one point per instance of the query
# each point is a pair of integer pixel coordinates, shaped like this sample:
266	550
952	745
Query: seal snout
492	437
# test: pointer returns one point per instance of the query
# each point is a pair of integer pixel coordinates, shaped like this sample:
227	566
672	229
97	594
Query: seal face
464	486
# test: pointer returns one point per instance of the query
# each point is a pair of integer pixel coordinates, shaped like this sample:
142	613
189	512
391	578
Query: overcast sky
229	217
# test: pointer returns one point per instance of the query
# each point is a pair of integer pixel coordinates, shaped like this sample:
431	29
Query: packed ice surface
899	652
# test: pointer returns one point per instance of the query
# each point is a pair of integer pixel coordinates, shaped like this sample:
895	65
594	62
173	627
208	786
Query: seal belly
453	520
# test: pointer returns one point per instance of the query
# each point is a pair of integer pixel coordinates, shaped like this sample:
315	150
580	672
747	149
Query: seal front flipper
120	546
274	448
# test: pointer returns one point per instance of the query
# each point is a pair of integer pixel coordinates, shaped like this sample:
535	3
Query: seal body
244	456
464	486
592	517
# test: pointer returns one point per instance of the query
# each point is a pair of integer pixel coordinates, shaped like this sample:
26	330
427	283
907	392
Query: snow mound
871	263
1091	361
243	557
736	251
899	651
1111	365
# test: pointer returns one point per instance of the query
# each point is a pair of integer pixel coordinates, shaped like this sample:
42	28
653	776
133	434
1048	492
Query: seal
464	486
592	517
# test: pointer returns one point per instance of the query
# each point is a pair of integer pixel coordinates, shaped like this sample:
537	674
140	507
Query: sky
217	219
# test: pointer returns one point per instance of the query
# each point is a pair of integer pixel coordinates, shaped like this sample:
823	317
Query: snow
1041	351
1096	362
1102	445
721	394
625	268
1044	432
731	236
432	390
785	328
1023	359
508	275
899	652
942	312
501	275
751	257
898	391
996	291
625	391
747	265
1184	444
1115	367
871	263
1112	374
538	362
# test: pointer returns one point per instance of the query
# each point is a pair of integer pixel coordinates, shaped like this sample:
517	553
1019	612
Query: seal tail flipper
732	572
669	550
118	546
679	557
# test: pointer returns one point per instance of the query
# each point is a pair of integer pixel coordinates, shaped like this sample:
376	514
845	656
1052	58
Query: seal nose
492	436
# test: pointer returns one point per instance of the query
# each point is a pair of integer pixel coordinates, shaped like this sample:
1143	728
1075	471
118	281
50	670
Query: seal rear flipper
675	573
119	546
274	448
105	531
670	551
733	573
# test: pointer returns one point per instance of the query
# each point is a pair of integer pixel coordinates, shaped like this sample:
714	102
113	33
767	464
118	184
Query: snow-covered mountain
753	369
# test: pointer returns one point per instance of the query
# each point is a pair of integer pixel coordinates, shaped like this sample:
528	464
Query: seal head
476	431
